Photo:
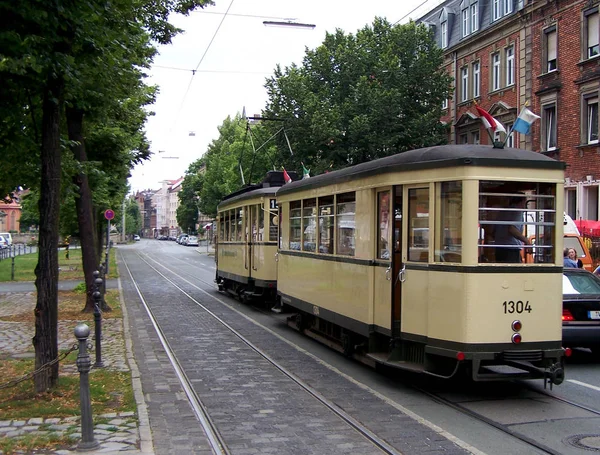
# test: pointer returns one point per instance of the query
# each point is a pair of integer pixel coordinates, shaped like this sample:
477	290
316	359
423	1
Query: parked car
3	243
581	310
7	237
183	239
136	238
192	240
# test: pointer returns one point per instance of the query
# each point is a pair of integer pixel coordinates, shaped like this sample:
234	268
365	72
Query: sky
217	68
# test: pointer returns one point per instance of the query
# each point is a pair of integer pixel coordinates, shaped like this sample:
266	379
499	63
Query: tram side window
261	224
226	226
221	226
510	212
326	225
448	242
418	236
309	225
254	221
239	220
383	220
345	223
295	225
231	237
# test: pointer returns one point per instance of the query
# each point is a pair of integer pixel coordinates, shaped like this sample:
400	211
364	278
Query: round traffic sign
109	214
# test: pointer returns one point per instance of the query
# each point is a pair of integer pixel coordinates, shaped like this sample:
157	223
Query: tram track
217	441
507	429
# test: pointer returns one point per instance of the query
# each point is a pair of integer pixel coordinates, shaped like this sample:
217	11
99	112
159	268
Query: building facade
543	54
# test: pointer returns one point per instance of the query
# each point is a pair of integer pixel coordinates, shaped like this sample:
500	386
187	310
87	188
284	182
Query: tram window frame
295	229
232	225
538	223
418	228
326	224
309	220
384	225
254	210
222	226
448	232
345	243
226	237
260	224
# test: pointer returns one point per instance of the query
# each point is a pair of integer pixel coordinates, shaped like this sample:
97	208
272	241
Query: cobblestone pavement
118	432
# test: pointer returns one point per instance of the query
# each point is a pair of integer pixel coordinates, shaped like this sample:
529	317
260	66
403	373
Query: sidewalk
121	433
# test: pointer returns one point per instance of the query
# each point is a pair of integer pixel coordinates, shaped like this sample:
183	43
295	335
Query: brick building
544	54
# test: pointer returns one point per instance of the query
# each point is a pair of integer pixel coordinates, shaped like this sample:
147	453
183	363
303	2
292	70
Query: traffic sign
109	214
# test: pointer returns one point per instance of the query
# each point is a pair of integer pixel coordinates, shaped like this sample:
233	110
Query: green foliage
361	97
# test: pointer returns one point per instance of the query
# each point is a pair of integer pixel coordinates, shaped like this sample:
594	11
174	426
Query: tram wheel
347	344
301	322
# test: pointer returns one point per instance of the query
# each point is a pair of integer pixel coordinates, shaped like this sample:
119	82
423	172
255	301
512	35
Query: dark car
581	310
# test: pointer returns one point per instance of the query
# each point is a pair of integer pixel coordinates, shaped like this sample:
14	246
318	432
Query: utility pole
123	235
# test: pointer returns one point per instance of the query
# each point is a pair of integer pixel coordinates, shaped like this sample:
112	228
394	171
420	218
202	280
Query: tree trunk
84	206
45	340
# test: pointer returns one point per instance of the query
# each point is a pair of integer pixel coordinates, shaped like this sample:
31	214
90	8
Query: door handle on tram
276	257
387	273
402	274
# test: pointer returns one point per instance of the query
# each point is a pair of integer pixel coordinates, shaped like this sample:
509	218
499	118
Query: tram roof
442	156
269	186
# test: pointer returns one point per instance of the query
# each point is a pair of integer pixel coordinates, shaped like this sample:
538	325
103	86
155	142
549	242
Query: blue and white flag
524	121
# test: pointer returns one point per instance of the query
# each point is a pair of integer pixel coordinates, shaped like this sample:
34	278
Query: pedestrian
67	242
567	260
509	237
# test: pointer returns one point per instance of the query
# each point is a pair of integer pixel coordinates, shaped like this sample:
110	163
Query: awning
589	227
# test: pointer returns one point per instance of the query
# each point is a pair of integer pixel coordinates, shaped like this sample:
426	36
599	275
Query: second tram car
413	261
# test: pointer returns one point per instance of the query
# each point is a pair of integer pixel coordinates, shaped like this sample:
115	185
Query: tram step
382	357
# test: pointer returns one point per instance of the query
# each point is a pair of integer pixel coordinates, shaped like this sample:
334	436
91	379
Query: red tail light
567	316
516	338
568	352
460	356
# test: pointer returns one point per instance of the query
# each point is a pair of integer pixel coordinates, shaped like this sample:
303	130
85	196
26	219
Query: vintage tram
247	241
404	261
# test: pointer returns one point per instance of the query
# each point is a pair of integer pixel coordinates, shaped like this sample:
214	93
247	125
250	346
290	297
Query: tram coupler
554	375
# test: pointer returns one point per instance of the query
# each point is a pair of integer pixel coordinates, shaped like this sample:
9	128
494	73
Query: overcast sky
232	53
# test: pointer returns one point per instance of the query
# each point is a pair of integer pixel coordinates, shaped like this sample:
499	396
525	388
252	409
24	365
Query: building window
592	24
445	104
496	71
444	34
495	10
508	7
464	84
463	139
465	22
476	80
475	138
550	49
549	127
510	141
474	17
510	66
592	120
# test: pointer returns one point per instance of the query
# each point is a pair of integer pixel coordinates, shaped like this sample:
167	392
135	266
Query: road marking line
584	384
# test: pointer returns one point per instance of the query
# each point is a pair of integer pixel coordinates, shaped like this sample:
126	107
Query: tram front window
513	216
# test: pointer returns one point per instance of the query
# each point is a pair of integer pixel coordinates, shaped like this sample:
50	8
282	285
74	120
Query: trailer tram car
247	225
400	261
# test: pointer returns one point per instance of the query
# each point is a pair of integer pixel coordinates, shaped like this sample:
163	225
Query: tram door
397	264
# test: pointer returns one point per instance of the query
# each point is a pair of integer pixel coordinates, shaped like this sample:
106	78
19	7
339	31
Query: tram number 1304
510	306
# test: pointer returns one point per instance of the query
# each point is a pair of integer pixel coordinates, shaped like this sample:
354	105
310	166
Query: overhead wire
410	12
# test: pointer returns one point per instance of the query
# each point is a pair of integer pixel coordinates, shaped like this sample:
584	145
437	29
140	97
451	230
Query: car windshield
581	283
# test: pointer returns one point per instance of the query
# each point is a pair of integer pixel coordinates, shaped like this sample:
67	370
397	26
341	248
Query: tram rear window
514	213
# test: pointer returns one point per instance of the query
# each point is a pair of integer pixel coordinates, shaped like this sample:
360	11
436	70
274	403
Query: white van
7	237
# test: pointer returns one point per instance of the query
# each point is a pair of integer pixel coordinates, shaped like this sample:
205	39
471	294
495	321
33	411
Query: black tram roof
270	185
441	156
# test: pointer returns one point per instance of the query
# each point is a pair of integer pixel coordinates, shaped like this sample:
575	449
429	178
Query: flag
305	172
286	176
524	121
488	121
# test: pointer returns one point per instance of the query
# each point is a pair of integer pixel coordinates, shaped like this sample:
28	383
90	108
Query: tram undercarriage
415	357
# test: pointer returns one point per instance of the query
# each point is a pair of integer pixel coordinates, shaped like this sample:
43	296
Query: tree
191	188
361	97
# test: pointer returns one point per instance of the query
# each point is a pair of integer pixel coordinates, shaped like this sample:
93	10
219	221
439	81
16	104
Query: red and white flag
286	176
488	121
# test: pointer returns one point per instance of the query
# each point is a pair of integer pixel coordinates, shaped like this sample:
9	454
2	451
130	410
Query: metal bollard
82	332
12	269
97	295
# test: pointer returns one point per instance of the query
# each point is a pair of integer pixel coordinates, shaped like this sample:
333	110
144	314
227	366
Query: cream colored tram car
247	241
404	261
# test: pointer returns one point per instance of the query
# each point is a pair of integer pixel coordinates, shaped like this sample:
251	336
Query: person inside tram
573	256
567	259
509	237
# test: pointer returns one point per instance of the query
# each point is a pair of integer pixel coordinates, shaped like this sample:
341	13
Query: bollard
82	331
103	290
12	269
97	295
